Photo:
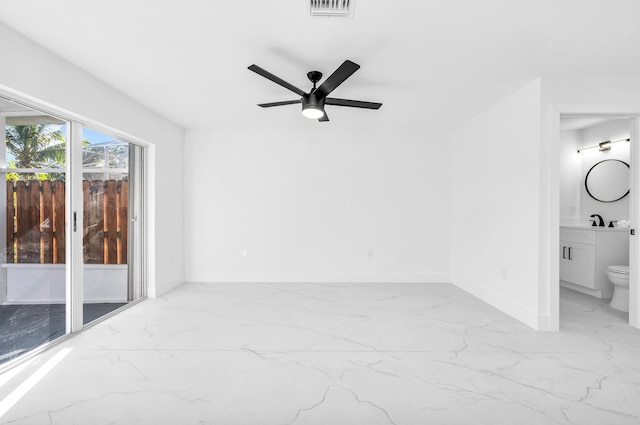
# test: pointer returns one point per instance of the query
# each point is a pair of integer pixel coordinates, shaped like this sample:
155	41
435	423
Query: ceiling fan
313	102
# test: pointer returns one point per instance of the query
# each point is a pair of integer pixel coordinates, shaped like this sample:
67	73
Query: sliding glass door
33	188
110	203
73	228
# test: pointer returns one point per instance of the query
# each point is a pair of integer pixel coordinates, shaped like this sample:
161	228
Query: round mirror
608	180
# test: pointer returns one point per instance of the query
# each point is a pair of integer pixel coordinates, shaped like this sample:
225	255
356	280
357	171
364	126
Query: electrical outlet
370	254
245	253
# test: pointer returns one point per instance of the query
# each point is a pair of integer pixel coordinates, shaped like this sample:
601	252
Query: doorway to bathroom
597	206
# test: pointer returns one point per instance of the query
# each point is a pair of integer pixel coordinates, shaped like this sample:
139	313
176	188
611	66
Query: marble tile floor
24	327
353	354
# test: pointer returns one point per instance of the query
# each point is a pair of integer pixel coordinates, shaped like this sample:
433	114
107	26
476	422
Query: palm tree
36	146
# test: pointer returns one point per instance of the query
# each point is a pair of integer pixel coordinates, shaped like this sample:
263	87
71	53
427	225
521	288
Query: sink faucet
600	223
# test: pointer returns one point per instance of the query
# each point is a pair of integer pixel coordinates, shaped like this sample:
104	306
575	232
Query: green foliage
35	146
43	146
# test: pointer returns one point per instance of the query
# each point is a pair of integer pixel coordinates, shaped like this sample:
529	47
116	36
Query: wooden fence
36	221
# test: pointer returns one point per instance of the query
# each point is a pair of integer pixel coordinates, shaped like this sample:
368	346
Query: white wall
3	217
45	283
570	177
35	73
310	205
495	204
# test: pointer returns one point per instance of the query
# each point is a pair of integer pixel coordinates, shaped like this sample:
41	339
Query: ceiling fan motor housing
311	101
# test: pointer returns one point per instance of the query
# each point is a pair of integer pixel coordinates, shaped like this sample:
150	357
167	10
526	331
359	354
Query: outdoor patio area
25	327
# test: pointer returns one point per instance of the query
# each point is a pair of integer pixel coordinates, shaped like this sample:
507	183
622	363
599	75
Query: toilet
619	276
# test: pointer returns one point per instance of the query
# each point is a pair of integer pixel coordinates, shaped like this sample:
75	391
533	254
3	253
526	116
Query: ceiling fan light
312	113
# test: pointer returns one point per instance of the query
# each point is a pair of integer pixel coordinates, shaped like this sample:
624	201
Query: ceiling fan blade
352	103
277	80
286	102
343	72
324	118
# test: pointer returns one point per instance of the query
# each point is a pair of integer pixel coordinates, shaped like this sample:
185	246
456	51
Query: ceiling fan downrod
314	77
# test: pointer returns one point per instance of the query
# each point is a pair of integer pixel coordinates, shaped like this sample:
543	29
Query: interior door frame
556	111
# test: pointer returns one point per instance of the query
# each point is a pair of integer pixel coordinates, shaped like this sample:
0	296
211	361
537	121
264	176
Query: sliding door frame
136	244
74	221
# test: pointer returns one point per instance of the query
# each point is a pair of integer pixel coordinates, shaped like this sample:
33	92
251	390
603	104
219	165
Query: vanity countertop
597	228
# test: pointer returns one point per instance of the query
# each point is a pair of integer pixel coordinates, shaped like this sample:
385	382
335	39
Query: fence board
93	207
46	221
36	222
11	226
27	236
123	220
110	222
59	236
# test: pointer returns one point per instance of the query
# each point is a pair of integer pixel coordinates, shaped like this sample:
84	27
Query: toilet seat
621	270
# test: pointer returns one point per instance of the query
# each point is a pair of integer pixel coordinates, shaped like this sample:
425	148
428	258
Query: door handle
564	252
570	254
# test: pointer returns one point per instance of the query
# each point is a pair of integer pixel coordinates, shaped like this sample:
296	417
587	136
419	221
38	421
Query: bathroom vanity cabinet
585	254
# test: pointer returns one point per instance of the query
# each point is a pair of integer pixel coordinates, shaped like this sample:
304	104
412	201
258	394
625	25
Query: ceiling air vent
331	8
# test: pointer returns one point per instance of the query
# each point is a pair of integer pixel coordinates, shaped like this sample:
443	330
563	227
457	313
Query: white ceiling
431	62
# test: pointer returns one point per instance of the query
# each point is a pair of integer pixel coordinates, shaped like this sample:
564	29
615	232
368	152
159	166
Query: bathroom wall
576	205
613	130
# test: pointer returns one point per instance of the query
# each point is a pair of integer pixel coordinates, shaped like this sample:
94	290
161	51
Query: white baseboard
544	324
507	306
269	277
597	293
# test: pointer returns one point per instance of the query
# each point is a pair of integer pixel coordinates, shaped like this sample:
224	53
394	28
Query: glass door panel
32	267
109	226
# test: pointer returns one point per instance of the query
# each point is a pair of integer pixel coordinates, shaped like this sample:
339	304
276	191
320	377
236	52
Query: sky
94	136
